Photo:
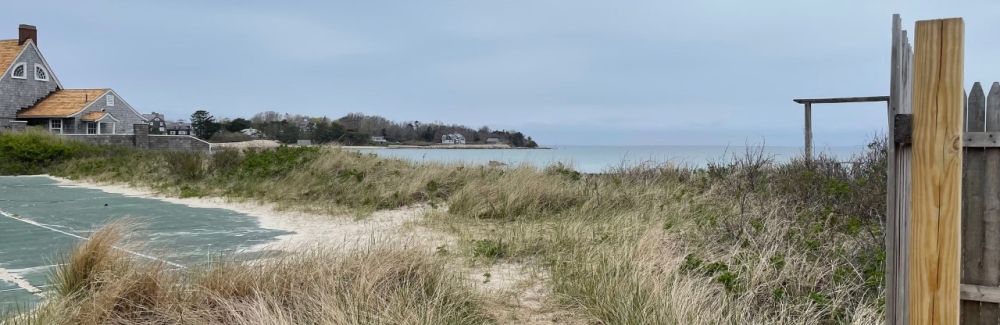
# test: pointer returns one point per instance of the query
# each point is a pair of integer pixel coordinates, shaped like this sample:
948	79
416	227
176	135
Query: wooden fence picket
973	180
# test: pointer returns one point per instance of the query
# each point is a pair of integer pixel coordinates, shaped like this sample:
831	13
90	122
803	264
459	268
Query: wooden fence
981	207
900	161
943	213
932	256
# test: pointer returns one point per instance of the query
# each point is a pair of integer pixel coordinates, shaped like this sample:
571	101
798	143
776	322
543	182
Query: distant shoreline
458	146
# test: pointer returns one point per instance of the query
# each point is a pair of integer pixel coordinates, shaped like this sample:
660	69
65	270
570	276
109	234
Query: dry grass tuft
103	285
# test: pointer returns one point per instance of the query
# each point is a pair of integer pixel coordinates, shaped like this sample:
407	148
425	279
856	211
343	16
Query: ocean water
597	159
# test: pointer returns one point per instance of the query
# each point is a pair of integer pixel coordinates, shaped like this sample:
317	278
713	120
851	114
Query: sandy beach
310	230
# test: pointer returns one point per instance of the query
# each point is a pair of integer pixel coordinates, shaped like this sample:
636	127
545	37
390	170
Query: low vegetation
742	240
99	284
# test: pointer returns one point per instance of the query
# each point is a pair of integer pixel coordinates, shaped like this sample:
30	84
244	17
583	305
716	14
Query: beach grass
743	240
100	284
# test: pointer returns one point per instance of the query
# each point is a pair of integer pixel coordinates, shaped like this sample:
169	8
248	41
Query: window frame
52	125
109	100
24	71
44	70
91	126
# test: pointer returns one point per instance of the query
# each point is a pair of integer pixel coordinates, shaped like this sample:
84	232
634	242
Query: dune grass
743	240
103	285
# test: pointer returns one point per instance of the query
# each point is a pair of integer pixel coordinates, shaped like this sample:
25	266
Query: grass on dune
743	240
103	285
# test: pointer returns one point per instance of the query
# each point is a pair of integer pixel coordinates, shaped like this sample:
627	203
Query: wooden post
937	171
973	172
809	131
990	273
895	82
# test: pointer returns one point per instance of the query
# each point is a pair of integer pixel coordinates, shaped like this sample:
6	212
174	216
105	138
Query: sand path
310	230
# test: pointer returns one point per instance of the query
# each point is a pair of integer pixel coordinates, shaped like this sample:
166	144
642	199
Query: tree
517	139
238	125
531	143
204	124
289	133
428	134
326	132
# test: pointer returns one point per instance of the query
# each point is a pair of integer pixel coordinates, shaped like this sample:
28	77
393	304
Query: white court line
30	222
18	281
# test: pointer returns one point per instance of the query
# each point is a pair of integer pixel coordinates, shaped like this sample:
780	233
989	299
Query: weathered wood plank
973	169
981	140
895	85
842	100
903	183
937	172
808	131
990	276
972	292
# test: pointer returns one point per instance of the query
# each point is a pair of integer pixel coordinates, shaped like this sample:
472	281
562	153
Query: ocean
597	159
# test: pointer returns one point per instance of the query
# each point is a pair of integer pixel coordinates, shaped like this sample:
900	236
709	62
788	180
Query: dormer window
111	99
19	71
40	73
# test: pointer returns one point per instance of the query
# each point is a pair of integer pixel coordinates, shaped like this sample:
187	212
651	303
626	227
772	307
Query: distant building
252	132
304	143
179	128
492	141
379	140
157	123
454	138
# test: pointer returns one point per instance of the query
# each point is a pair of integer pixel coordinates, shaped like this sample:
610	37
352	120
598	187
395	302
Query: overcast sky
564	72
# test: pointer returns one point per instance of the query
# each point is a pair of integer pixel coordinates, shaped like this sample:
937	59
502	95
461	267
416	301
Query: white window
40	73
91	128
111	99
19	71
161	129
55	126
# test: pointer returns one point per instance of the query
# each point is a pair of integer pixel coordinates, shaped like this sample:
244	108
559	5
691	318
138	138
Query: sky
566	72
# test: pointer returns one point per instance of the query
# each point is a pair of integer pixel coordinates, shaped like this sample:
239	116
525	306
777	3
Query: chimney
25	32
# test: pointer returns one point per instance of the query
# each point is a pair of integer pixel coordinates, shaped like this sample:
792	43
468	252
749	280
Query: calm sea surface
596	159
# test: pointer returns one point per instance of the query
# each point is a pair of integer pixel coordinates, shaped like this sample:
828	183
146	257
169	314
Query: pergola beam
808	113
842	100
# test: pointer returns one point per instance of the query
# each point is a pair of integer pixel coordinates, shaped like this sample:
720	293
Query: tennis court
39	220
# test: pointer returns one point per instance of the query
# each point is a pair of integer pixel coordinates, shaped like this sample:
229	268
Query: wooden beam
935	264
808	131
972	292
842	100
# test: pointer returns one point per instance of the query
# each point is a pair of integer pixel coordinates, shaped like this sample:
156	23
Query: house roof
63	103
9	50
97	116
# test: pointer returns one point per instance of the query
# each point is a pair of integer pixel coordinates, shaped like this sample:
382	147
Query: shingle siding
16	94
127	117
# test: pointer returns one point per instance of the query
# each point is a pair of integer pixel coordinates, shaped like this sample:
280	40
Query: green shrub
186	166
489	248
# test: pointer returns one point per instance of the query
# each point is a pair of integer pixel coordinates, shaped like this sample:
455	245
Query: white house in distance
453	138
30	93
378	139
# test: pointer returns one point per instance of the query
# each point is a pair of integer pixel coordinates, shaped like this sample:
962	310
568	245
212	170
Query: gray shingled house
30	93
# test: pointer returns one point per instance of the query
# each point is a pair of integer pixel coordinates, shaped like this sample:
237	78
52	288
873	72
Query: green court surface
40	220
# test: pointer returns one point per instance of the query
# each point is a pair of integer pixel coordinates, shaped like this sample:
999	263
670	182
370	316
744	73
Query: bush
35	151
